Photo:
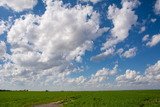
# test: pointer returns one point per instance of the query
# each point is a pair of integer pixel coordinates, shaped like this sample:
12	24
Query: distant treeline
5	90
12	90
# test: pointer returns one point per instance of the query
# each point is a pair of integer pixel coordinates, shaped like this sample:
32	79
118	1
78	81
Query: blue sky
80	44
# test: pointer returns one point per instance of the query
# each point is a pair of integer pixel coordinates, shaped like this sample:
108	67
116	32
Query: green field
150	98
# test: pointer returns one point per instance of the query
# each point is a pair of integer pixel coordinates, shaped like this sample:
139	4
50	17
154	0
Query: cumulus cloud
43	46
153	20
2	50
153	70
145	38
106	71
18	5
157	7
3	26
102	75
93	1
78	80
154	40
130	53
103	55
152	73
97	80
122	26
143	28
79	51
120	51
132	77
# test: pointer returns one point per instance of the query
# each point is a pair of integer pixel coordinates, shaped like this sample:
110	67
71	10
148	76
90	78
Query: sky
79	44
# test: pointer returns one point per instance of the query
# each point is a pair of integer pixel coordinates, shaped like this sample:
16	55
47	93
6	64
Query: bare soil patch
53	104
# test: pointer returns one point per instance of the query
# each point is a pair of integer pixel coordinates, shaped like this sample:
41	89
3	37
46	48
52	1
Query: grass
147	98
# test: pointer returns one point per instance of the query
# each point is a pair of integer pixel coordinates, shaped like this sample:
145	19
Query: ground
143	98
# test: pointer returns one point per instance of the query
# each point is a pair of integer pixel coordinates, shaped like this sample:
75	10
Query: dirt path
53	104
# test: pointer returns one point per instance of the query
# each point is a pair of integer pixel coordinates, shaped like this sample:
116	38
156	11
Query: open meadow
147	98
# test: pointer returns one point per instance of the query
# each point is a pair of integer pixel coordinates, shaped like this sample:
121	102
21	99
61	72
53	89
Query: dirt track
53	104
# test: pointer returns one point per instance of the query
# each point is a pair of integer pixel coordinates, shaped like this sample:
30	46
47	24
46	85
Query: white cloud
79	80
102	75
18	5
2	50
43	46
103	55
145	38
120	51
132	80
130	53
149	78
153	20
154	40
152	73
123	25
157	7
129	75
3	27
143	28
106	71
153	69
79	51
97	79
93	1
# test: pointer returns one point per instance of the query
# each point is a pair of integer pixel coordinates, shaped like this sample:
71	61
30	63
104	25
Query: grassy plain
143	98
